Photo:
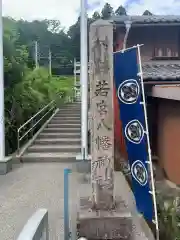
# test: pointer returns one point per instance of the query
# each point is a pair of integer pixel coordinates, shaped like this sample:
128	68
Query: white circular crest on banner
134	131
139	172
128	91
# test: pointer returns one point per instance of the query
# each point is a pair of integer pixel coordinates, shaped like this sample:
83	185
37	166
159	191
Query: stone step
49	157
68	115
63	125
74	110
70	110
68	121
62	130
56	141
64	118
70	106
56	135
37	148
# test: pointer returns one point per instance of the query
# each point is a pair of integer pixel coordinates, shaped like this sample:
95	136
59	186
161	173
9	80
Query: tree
147	13
15	54
107	11
120	11
96	15
27	90
74	35
54	26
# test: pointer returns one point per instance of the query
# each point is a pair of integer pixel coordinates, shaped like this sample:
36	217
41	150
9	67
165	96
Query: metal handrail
19	138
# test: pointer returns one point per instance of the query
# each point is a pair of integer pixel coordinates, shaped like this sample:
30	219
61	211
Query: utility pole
2	138
50	62
84	81
36	54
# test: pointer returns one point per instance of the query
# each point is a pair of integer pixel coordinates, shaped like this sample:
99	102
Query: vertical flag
130	93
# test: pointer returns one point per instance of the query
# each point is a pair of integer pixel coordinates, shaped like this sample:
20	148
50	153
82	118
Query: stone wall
169	138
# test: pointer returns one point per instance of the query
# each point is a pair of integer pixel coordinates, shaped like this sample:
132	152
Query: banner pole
126	49
148	143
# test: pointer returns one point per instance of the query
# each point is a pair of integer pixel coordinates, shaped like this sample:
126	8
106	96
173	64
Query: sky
67	11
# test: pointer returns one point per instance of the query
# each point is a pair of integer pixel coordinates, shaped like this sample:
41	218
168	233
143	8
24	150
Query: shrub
28	96
169	216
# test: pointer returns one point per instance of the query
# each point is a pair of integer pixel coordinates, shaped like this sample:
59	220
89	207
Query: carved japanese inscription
101	86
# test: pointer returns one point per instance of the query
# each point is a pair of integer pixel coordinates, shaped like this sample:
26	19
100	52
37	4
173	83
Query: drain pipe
128	25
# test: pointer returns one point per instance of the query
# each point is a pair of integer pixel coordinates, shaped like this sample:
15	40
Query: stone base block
83	166
5	165
102	224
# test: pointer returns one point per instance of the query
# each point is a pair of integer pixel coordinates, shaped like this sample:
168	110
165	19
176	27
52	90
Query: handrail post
18	141
32	124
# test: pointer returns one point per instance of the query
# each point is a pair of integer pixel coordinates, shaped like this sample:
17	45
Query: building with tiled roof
148	20
160	54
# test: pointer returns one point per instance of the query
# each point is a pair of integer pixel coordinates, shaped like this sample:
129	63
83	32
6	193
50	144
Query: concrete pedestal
95	225
83	166
5	165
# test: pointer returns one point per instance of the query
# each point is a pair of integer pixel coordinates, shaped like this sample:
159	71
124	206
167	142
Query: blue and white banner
129	93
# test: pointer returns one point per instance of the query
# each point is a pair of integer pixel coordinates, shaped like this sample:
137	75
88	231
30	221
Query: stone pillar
101	99
103	215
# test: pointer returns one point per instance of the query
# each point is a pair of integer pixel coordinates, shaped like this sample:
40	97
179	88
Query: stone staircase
60	139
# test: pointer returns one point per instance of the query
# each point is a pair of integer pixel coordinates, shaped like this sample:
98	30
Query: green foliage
120	11
15	56
74	30
107	11
169	217
35	91
147	13
27	90
96	15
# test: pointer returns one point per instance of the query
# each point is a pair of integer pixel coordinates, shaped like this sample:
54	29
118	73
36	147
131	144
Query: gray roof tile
161	71
148	19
